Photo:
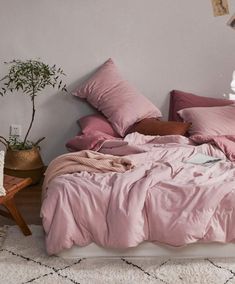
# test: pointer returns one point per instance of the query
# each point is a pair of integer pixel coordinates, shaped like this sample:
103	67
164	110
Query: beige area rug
24	260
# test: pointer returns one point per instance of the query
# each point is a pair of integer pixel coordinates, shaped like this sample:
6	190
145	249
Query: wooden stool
12	185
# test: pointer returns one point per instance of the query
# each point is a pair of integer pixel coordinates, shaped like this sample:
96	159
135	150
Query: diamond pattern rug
24	260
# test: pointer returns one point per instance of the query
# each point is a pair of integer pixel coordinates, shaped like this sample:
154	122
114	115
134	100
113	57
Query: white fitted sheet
148	249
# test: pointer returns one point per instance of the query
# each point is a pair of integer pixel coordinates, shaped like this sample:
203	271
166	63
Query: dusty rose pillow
152	126
88	141
96	122
210	120
180	100
116	98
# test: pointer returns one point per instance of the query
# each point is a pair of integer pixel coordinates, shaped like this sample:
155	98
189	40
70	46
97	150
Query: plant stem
31	122
33	105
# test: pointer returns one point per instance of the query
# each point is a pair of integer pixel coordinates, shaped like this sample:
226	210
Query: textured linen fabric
152	126
210	120
96	122
88	141
89	161
180	100
164	199
116	98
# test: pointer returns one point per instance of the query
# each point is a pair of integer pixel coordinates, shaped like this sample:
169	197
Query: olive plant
29	77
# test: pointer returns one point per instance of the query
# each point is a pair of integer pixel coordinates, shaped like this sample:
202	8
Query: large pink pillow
116	98
180	100
210	120
91	123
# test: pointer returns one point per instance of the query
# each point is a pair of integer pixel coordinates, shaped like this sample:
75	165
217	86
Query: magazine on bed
202	159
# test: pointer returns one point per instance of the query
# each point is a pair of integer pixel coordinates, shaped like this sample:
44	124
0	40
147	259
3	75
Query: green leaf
31	77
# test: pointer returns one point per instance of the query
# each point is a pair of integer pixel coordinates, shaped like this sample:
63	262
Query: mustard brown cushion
153	126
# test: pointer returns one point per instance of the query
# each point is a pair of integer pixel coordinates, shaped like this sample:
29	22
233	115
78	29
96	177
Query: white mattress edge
148	249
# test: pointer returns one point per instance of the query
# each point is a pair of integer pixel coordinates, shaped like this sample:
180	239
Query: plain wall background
158	45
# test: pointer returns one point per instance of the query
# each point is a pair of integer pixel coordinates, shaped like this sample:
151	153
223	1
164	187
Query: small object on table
13	185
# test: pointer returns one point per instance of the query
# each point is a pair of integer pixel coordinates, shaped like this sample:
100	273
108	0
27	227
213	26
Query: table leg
11	207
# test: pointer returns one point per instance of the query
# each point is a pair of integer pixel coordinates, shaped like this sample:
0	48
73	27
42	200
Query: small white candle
233	82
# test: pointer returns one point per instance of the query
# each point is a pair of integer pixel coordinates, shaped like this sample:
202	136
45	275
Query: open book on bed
202	159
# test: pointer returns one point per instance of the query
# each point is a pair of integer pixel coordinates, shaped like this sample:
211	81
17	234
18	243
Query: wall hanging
220	7
231	22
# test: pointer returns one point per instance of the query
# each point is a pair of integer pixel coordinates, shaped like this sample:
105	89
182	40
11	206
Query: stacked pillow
95	129
2	190
181	100
210	121
208	116
116	98
90	124
127	110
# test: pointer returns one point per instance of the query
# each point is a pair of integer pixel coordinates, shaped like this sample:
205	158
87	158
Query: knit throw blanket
87	160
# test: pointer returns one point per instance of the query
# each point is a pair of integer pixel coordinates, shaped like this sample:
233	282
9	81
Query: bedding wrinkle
222	221
226	143
163	200
89	161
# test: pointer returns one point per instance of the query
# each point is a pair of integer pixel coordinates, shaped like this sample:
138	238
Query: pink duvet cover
226	143
163	199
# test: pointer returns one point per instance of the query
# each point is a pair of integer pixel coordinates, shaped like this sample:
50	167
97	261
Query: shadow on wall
58	114
231	22
165	105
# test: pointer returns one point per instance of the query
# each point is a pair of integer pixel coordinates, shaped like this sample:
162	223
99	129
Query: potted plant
30	77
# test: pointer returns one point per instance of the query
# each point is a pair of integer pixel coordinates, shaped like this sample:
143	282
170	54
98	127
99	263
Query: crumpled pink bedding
164	199
226	143
87	160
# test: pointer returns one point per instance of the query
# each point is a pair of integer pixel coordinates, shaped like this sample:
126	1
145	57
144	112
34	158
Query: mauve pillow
180	100
96	122
152	126
88	141
210	120
116	98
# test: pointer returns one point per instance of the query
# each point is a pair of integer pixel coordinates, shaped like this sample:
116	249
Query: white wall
159	45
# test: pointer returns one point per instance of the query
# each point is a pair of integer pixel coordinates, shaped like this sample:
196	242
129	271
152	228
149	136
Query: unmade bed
164	199
149	189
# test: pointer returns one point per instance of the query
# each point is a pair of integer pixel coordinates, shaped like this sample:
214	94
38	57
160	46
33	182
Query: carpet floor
24	260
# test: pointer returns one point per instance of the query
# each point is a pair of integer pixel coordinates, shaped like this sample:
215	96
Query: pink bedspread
87	160
163	199
226	143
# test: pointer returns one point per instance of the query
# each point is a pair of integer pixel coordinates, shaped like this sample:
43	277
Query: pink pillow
180	100
91	123
210	120
224	142
117	99
88	141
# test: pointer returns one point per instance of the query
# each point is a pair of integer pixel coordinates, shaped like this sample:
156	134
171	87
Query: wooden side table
12	185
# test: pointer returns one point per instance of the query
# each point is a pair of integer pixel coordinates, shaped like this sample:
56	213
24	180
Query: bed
164	199
124	192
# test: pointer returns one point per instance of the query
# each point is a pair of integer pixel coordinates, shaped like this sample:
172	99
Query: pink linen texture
96	122
206	121
164	199
116	98
95	130
180	100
